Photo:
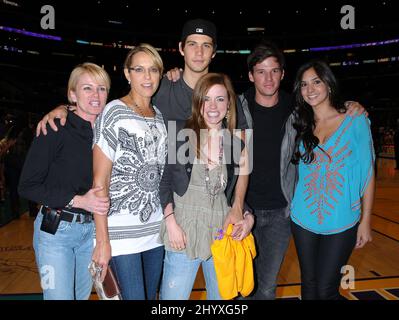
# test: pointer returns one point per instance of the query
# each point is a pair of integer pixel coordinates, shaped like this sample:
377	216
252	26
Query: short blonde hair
148	49
95	71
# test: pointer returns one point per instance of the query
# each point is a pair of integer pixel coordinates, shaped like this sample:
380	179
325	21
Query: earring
227	115
128	81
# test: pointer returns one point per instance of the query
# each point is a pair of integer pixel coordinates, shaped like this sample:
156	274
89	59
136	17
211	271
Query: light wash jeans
179	274
63	260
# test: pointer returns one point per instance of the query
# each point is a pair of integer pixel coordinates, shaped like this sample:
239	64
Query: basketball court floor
376	266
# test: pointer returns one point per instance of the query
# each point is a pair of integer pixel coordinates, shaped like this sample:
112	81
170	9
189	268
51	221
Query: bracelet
169	215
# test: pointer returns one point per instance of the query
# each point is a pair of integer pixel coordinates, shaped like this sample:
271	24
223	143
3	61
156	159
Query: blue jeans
272	233
63	260
139	274
179	275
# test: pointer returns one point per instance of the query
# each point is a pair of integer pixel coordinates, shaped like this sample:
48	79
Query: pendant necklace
153	130
214	189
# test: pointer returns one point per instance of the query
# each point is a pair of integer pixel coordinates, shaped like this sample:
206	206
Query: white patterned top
137	148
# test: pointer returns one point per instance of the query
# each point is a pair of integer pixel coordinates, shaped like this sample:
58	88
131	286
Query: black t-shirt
174	100
264	190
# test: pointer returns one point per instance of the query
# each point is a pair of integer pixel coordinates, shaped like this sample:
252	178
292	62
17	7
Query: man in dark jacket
269	112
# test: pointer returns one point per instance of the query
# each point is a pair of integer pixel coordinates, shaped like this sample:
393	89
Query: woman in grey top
197	189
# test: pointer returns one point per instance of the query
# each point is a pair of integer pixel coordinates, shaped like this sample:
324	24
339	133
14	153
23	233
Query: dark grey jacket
288	171
176	176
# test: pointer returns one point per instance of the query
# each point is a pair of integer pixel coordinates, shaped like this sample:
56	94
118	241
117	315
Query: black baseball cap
199	26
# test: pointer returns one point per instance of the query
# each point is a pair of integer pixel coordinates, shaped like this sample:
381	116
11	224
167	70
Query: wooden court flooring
376	266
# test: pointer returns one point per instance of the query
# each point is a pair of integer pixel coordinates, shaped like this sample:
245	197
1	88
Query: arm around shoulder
61	112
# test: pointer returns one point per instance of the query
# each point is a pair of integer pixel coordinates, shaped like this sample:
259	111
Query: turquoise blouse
327	198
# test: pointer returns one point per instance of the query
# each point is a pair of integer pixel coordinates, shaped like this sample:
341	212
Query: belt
70	216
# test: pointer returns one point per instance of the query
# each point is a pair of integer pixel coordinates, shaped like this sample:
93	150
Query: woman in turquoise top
333	198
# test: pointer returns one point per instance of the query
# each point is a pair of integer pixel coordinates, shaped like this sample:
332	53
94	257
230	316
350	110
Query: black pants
321	258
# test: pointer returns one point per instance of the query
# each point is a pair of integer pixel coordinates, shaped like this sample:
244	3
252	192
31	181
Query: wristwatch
70	204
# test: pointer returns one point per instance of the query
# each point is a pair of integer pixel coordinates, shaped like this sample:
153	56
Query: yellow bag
233	264
224	260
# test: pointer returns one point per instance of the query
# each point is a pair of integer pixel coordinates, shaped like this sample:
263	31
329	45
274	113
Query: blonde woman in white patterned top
129	154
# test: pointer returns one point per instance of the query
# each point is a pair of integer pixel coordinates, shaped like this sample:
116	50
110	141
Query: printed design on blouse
323	186
133	232
105	125
138	164
127	141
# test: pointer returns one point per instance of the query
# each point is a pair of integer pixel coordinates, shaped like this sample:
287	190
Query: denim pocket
64	226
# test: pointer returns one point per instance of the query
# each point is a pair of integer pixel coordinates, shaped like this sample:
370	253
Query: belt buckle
85	218
80	218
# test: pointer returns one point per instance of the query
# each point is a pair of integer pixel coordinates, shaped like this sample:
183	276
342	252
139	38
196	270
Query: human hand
244	227
354	107
363	235
91	202
101	256
58	113
174	74
176	235
234	216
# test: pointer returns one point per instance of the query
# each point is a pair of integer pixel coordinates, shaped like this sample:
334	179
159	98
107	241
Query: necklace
151	125
214	189
153	130
141	113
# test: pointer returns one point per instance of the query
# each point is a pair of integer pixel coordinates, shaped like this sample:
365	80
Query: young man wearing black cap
173	99
198	47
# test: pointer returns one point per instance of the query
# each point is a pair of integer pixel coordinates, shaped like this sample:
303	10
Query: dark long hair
304	115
